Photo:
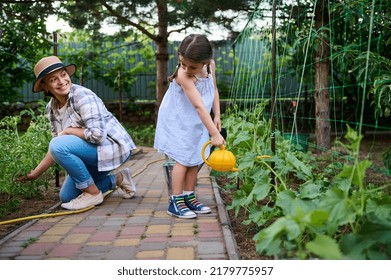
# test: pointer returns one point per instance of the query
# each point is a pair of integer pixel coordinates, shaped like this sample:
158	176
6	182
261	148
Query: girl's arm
216	101
188	85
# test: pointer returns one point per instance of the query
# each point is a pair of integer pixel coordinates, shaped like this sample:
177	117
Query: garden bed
27	208
244	233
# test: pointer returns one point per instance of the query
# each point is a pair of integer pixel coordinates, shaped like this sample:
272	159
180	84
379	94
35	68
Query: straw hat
48	65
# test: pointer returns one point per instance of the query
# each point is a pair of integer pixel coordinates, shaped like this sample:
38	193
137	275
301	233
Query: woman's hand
29	177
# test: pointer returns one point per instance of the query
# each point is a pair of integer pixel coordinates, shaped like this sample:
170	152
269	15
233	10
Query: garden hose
73	211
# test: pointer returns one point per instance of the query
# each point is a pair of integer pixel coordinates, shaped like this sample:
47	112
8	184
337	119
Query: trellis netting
332	66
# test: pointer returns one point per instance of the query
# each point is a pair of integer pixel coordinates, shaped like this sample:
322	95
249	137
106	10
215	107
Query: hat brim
71	69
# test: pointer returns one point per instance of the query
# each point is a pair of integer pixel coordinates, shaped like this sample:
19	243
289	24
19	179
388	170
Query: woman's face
58	83
191	67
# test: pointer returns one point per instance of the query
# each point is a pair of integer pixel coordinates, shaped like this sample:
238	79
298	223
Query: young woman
88	141
184	122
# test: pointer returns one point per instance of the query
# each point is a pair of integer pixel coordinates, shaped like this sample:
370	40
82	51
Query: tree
156	19
23	38
322	71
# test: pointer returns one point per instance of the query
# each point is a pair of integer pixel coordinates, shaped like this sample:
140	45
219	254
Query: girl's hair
194	47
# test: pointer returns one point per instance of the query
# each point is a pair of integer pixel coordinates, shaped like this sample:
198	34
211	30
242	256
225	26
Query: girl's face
190	67
58	83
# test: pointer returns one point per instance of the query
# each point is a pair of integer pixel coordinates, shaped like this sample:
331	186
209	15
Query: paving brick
58	230
150	255
211	248
186	253
126	242
210	234
103	236
77	238
49	238
209	227
133	230
99	243
154	239
143	212
121	253
150	200
158	230
38	248
65	251
182	232
74	219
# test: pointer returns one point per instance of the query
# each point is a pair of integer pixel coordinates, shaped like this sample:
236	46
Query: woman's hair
196	48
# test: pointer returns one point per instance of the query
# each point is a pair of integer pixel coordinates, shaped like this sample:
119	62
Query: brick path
137	229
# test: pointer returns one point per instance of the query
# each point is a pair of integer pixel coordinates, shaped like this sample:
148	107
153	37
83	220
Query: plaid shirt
86	110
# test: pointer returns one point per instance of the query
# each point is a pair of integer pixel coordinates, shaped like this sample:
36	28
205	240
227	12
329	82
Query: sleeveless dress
180	133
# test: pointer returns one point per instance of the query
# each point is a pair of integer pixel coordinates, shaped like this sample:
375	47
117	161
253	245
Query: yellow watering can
220	160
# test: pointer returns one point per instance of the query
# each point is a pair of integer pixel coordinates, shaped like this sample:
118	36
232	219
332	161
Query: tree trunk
161	54
322	68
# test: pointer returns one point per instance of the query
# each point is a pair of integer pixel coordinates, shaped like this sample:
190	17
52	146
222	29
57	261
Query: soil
243	233
29	207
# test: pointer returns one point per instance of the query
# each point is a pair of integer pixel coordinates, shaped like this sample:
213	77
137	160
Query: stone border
26	225
230	242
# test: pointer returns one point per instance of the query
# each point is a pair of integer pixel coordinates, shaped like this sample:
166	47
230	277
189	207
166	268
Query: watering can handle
203	152
222	147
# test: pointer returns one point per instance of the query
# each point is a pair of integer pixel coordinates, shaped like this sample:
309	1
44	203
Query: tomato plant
303	211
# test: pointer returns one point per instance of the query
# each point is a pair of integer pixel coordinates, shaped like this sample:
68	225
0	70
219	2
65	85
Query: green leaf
339	207
381	207
242	137
269	239
318	218
293	206
310	190
374	236
299	165
356	173
324	247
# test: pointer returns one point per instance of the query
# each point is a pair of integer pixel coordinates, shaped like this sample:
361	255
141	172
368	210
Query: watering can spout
220	160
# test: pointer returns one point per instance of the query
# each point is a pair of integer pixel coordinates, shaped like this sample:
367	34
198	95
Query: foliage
21	152
108	59
23	39
382	95
328	214
155	20
142	135
142	17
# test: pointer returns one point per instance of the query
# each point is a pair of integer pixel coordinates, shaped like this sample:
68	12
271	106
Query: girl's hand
217	122
217	140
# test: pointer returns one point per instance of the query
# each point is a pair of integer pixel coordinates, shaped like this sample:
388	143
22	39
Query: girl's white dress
180	133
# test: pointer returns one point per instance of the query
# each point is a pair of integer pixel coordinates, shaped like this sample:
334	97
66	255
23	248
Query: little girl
184	122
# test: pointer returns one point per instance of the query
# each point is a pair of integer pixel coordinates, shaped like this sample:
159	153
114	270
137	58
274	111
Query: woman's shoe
127	184
83	201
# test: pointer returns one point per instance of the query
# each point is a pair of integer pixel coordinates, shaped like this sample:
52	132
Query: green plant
21	152
28	242
300	213
142	135
382	96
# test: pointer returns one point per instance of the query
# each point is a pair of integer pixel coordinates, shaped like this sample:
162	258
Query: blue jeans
79	158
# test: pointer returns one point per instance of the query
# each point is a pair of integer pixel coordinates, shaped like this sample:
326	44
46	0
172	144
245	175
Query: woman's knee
56	145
